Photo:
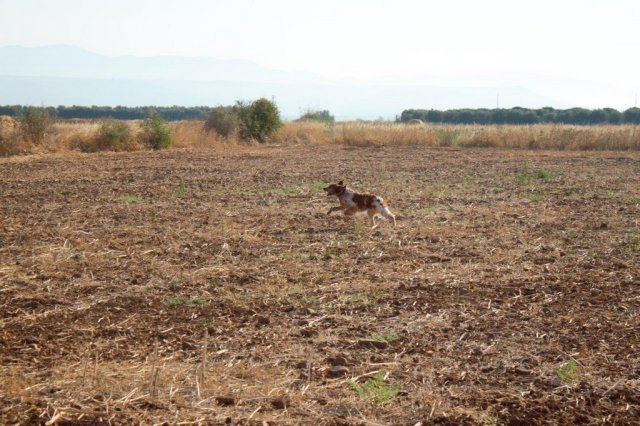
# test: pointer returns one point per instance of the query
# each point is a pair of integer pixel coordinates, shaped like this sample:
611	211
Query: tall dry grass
539	136
84	136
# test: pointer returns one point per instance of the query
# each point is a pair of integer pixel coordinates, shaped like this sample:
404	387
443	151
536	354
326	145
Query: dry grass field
209	286
83	136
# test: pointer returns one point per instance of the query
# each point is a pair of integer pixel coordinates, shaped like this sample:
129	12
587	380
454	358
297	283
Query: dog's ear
340	183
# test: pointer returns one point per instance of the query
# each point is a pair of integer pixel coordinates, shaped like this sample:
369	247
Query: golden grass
540	136
83	136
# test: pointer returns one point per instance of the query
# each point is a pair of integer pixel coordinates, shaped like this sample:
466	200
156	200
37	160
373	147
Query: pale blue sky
579	39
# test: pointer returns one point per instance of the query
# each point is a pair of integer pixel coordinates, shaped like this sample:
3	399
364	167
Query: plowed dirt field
508	293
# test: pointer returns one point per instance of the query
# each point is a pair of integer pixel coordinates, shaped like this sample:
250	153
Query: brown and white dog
351	202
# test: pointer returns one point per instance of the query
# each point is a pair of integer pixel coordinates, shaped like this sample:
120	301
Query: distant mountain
66	75
73	62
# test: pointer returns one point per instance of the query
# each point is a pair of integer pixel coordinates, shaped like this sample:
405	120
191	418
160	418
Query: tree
258	120
323	116
223	120
632	116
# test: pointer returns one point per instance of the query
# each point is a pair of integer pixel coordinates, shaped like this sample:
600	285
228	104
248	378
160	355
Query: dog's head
335	188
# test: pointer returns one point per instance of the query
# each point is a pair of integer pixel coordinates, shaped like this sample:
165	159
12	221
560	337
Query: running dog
352	202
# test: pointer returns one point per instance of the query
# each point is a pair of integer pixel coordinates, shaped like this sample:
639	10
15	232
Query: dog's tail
382	208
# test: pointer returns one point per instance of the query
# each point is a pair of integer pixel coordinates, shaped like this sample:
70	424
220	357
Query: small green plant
290	190
535	196
153	216
130	199
632	242
568	371
318	185
182	188
439	192
375	389
156	133
467	182
367	298
174	284
310	300
358	227
388	336
185	301
526	177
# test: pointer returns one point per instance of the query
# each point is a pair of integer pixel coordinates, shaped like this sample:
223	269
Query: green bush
222	120
156	133
114	135
258	120
34	124
323	116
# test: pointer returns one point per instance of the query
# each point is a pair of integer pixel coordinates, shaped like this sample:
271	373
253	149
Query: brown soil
508	293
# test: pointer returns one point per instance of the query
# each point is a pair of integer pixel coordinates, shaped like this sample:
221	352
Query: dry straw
84	136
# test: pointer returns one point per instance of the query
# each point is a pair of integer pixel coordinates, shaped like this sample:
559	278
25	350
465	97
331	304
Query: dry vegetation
209	286
84	136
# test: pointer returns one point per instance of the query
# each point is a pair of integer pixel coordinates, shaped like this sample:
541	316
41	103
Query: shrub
10	143
323	116
156	133
114	135
222	120
34	124
258	120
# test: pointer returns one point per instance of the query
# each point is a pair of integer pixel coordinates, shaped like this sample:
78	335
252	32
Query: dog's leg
372	218
388	215
384	211
334	209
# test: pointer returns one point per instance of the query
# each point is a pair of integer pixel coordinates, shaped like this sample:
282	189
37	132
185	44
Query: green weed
182	188
153	216
185	301
535	196
568	371
318	185
467	182
310	300
632	242
375	389
526	177
388	336
290	190
130	199
439	192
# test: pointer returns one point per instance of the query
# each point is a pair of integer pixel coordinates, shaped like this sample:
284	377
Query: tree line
517	115
172	113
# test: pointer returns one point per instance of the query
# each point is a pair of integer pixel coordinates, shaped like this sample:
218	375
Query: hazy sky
581	39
